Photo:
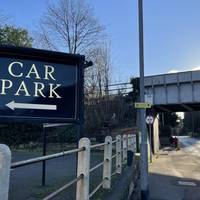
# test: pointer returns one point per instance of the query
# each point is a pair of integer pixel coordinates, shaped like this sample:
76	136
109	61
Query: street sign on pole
149	119
40	85
141	105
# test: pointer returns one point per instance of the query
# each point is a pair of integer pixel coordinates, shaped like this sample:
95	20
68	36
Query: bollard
134	144
124	146
107	167
82	187
129	142
130	147
5	160
130	151
119	154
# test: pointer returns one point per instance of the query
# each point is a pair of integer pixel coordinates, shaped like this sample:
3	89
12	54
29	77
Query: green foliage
62	134
102	114
166	131
14	134
184	131
170	119
10	35
192	121
136	89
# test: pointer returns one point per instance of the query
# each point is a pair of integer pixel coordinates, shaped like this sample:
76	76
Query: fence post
83	168
119	154
5	160
130	146
107	167
124	146
132	143
129	142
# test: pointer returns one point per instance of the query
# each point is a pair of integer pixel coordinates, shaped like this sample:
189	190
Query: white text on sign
15	69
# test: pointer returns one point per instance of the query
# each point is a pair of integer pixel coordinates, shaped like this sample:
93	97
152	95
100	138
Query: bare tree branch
3	18
70	24
98	77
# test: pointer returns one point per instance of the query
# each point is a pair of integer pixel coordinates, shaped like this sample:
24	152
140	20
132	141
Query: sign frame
51	57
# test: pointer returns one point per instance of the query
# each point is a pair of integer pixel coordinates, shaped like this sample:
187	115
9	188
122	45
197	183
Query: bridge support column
156	141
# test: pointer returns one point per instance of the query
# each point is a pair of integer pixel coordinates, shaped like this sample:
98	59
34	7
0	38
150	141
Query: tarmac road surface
190	145
25	182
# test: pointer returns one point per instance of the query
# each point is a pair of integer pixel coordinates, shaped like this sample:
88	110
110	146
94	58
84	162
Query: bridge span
174	92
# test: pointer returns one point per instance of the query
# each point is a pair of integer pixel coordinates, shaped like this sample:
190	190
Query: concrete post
130	153
119	154
131	143
124	146
129	139
133	146
134	143
107	167
5	160
155	138
82	187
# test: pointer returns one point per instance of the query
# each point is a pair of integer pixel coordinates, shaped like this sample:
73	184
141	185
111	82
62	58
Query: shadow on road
165	187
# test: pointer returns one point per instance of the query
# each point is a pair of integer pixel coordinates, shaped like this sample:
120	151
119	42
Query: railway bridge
174	92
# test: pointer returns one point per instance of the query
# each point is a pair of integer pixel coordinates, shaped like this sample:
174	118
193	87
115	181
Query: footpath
175	175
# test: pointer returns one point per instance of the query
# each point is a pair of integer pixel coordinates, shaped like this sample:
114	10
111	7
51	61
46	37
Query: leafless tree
97	79
98	76
70	26
3	18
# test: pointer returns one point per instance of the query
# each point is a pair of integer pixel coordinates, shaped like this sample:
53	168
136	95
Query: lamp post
144	154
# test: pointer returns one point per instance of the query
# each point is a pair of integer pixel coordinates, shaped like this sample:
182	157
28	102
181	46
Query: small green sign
143	105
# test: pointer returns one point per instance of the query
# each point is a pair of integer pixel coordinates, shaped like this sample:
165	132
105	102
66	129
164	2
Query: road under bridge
174	92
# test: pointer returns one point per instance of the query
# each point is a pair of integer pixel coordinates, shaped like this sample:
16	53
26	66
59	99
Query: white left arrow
13	105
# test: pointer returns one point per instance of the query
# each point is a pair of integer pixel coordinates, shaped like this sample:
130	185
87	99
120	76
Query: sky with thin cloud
171	32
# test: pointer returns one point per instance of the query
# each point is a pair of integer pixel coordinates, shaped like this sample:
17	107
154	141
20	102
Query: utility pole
143	149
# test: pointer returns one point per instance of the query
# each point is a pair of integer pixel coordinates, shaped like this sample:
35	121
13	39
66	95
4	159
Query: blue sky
171	32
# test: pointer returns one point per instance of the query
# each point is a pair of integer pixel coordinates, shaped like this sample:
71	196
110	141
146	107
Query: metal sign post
144	150
44	154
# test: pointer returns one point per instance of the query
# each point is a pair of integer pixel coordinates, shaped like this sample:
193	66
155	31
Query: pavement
175	175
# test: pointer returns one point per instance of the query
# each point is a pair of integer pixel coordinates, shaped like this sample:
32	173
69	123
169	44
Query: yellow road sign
142	105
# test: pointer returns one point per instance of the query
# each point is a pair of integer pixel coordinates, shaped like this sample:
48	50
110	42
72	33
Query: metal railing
42	158
122	145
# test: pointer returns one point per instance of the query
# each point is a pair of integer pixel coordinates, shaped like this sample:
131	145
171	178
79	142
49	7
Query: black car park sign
40	85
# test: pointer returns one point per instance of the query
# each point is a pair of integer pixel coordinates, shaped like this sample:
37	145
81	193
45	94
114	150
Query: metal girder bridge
174	92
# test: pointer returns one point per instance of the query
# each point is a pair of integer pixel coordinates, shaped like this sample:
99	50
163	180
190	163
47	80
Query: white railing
5	159
122	144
